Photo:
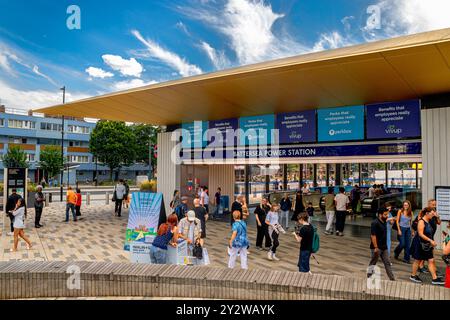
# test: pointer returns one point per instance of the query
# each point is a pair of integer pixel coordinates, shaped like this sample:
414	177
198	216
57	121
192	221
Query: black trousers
37	217
261	233
340	220
118	209
11	217
275	242
77	211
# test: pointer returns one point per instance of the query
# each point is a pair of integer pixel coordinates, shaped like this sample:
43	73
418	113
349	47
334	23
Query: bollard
107	199
47	199
88	199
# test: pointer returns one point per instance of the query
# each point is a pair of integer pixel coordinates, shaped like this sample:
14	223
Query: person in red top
78	204
446	251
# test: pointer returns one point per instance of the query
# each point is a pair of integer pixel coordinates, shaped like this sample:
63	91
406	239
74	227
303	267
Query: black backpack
198	251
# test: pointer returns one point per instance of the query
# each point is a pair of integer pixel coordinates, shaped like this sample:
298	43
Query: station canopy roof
407	67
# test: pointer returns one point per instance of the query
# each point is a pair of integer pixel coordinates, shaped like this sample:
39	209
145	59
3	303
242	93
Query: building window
15	140
78	159
78	129
51	126
30	157
2	122
75	143
21	124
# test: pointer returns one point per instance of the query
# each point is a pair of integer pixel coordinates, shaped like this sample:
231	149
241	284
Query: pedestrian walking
262	230
304	235
355	196
446	253
71	201
217	203
39	200
202	215
392	219
78	204
310	211
167	234
238	242
286	207
342	203
273	225
182	208
126	197
204	199
237	206
378	244
20	214
119	194
424	248
10	207
298	206
403	223
330	211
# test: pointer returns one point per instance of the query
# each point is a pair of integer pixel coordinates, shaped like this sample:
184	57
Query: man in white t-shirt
204	199
342	201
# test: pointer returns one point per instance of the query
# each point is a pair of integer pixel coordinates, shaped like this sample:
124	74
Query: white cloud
129	84
218	58
36	71
169	58
249	27
180	25
98	73
399	17
331	40
32	99
126	67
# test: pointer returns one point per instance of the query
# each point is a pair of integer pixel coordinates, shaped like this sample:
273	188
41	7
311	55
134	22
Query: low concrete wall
21	280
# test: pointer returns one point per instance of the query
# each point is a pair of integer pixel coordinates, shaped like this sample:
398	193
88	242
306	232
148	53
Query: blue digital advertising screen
341	124
256	130
297	127
223	132
193	134
394	120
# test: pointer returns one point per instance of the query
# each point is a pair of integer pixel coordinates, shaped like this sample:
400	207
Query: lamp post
62	145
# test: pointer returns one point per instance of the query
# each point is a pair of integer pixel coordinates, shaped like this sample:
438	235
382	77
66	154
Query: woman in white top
272	220
204	199
19	225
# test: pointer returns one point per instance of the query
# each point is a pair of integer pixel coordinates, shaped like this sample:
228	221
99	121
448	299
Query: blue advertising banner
193	134
341	124
297	127
147	212
394	120
414	148
256	130
223	129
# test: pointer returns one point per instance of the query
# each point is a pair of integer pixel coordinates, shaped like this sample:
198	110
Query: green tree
15	158
51	160
146	137
114	144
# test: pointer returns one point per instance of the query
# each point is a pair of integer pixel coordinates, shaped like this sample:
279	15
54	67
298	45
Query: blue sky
124	44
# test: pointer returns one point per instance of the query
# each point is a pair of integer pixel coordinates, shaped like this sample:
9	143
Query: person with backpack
182	208
378	244
306	238
239	242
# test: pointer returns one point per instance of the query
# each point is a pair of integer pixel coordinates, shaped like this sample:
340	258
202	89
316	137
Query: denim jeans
158	255
405	243
303	261
389	238
70	206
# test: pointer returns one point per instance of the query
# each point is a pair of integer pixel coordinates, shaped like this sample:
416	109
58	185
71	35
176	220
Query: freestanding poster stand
14	178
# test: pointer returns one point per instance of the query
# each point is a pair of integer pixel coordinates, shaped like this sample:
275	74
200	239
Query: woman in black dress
299	207
423	247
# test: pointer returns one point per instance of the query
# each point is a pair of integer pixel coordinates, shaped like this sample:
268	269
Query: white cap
191	216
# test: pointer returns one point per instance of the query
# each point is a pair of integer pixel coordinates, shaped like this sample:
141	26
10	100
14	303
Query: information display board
341	124
394	120
257	130
224	131
194	134
147	212
297	127
442	195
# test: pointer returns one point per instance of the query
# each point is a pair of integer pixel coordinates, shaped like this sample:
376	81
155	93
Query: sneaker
438	281
337	233
37	226
406	261
270	255
415	279
424	270
10	234
259	248
341	234
327	233
274	257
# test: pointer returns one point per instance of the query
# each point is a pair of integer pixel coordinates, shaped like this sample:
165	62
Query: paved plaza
99	236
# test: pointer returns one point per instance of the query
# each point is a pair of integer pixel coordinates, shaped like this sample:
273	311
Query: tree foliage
114	144
146	137
15	158
51	160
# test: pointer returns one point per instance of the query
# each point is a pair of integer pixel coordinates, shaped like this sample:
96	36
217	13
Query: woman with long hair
167	233
404	223
424	247
20	213
298	207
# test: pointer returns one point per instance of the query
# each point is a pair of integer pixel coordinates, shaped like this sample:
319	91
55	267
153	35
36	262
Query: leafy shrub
148	186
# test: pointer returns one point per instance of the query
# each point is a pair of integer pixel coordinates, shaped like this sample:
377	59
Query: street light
62	145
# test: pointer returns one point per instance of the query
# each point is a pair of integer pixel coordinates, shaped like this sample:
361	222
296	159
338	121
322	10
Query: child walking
78	204
272	221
